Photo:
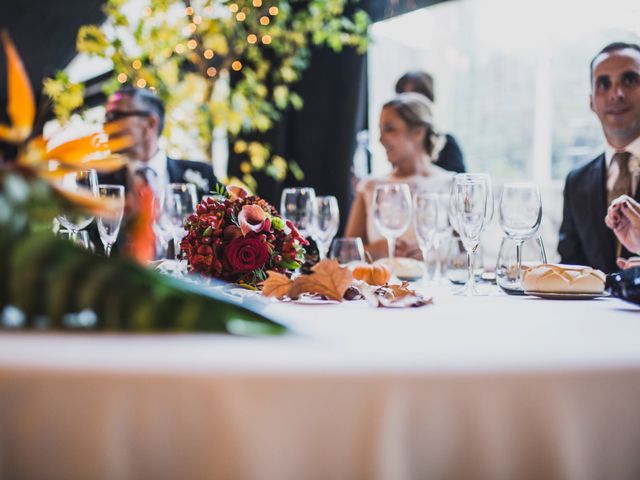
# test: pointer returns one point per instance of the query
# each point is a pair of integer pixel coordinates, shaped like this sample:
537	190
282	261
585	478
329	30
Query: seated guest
623	217
615	99
448	155
408	136
140	115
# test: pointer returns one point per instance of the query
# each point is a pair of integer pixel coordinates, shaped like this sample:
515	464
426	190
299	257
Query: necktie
622	185
150	177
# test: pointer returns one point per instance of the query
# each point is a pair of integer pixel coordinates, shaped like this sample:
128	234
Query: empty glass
348	250
79	238
469	200
325	222
180	200
296	204
425	223
392	212
533	254
520	215
108	227
80	181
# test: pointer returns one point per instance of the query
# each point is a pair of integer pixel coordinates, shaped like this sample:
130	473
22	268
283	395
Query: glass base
512	291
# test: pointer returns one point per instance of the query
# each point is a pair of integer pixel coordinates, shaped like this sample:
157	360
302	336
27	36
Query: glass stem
391	243
518	261
107	250
471	260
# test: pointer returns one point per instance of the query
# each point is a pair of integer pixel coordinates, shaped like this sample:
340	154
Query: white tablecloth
492	387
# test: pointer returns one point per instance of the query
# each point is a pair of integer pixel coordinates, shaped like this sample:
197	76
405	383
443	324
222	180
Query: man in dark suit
140	116
450	157
615	99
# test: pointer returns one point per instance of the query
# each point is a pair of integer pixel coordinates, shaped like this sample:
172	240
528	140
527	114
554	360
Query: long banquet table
492	387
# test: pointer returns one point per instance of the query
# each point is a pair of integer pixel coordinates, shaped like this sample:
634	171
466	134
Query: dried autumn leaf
328	279
276	285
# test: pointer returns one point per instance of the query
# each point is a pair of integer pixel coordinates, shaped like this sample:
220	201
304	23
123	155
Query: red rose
246	254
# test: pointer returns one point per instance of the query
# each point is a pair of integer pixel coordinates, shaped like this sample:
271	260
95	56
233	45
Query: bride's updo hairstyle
417	111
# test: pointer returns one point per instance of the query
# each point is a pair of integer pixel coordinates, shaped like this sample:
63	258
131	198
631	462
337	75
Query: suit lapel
598	208
175	172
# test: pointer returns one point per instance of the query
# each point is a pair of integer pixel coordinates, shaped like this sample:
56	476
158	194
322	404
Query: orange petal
75	150
12	134
105	164
21	106
119	143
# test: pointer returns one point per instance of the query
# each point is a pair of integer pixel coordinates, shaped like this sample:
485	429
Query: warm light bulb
208	54
192	44
264	20
273	10
122	77
236	66
266	39
233	8
240	16
197	19
141	83
251	38
192	27
257	3
136	64
188	10
179	48
211	71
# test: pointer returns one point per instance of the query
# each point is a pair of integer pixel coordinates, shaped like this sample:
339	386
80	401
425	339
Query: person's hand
626	263
623	217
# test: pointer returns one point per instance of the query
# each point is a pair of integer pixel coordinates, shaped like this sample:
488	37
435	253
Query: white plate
567	296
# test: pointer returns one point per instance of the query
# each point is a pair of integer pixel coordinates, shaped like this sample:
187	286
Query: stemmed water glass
108	227
425	223
348	251
520	216
296	205
180	200
392	212
78	181
325	222
469	206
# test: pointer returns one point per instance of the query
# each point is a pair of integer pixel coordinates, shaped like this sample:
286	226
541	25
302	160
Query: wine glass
392	212
108	227
469	200
348	250
325	222
425	223
533	254
296	205
180	200
520	215
78	182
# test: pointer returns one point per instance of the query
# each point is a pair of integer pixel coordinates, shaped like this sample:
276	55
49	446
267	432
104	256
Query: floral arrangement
238	238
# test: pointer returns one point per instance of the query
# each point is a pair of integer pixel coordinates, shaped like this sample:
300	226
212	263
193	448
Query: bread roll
405	268
551	278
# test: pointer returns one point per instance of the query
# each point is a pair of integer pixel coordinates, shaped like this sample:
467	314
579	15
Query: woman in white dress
408	136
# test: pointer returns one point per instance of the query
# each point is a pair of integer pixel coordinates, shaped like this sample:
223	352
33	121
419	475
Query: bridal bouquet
238	238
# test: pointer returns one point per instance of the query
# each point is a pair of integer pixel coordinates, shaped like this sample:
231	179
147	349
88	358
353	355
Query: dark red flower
246	254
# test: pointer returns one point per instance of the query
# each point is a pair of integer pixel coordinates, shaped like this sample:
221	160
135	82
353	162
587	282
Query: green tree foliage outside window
186	50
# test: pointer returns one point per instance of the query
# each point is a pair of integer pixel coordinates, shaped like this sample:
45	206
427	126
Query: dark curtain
320	137
44	32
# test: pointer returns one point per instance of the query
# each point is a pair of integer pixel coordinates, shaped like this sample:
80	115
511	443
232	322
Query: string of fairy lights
241	14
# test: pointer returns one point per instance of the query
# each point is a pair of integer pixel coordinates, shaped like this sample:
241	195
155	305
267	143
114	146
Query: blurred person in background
449	155
409	138
139	114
